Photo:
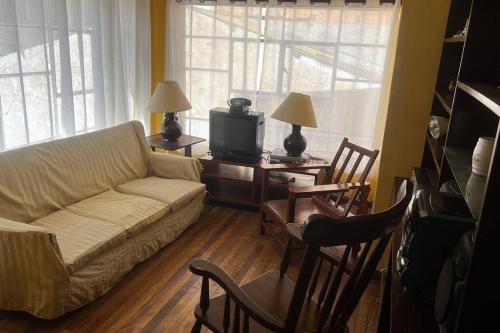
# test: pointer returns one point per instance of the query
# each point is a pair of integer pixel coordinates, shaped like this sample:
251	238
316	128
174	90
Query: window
335	54
65	69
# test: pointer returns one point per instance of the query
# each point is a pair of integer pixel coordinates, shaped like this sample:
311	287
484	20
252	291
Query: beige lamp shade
296	109
167	98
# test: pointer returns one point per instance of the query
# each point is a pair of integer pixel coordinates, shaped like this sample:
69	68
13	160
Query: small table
241	182
184	141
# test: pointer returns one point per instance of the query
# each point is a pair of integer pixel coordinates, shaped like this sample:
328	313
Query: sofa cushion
131	212
59	173
81	238
176	192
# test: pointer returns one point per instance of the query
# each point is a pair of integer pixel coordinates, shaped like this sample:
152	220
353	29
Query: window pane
208	90
274	23
57	60
76	73
239	21
8	51
245	65
210	53
32	50
37	106
366	26
314	25
361	62
309	70
254	20
238	63
79	113
203	21
270	68
223	21
87	60
200	128
90	111
354	106
12	112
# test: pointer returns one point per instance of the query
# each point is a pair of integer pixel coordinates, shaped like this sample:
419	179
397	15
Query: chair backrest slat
333	289
341	171
341	204
354	168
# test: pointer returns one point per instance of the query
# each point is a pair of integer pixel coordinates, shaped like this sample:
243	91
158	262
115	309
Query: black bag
432	227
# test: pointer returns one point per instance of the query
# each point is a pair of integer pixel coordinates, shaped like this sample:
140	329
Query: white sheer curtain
71	66
335	53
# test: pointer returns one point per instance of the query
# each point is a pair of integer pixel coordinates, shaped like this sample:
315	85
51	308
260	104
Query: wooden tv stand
241	183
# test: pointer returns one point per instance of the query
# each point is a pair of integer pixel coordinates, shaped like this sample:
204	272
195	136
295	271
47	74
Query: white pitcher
481	157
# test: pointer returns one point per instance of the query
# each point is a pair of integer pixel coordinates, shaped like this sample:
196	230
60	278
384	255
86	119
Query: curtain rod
312	2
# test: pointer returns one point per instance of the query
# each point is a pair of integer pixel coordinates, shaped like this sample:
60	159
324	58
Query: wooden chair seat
273	295
333	253
277	209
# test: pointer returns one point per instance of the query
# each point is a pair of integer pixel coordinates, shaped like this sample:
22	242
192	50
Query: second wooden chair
343	191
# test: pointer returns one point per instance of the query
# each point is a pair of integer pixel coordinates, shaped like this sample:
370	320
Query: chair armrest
207	269
33	275
294	166
329	188
175	167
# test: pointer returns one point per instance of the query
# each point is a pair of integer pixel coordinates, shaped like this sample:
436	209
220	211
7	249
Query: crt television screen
233	133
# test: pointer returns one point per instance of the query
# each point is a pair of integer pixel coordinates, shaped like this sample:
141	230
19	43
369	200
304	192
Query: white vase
481	157
474	193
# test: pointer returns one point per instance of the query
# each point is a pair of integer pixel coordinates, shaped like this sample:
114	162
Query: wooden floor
160	294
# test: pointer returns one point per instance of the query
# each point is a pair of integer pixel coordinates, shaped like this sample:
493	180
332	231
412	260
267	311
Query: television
236	136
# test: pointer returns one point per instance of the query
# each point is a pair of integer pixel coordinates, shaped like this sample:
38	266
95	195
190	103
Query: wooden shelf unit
473	108
240	183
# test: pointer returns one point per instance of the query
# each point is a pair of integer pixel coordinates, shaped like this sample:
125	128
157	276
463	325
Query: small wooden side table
184	141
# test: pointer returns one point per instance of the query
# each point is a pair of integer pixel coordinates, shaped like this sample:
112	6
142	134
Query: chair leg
285	261
262	221
196	327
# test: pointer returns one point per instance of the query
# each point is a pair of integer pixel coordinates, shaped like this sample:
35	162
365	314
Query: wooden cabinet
240	182
473	109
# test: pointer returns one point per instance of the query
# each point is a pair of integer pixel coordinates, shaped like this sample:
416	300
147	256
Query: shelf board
460	162
488	95
231	192
445	100
455	39
230	172
436	147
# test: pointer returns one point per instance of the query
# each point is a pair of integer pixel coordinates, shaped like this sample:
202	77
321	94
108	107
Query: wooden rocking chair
273	303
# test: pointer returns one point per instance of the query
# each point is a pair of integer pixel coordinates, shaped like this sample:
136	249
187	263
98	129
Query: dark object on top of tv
239	105
236	136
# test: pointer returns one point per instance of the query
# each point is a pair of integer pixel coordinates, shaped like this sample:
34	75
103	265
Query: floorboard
160	294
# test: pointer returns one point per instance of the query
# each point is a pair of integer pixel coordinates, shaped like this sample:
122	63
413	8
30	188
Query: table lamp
296	109
168	98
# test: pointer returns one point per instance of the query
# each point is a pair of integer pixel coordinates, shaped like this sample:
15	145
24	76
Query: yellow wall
158	49
418	53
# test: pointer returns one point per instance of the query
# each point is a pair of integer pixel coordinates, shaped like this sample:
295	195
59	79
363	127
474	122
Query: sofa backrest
40	179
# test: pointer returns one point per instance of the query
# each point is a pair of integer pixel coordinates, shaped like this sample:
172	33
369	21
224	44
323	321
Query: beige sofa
77	214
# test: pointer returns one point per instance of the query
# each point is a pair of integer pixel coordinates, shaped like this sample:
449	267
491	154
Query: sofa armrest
175	167
32	273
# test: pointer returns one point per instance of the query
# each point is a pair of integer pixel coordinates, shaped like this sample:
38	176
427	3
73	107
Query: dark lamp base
295	143
171	130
